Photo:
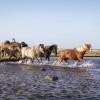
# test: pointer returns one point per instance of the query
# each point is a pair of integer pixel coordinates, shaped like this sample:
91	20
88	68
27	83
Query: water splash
74	64
70	63
87	64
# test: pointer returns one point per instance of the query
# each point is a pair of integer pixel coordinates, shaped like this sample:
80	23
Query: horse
11	51
33	52
19	45
48	50
75	54
4	47
23	44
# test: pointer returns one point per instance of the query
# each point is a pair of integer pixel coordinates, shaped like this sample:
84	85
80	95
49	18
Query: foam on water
70	63
81	64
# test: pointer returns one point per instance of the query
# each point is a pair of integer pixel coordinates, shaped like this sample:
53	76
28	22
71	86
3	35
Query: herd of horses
24	52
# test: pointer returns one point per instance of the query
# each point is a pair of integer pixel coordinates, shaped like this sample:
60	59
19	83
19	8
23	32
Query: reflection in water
22	82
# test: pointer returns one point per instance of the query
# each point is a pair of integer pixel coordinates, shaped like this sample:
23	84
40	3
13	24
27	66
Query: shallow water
26	82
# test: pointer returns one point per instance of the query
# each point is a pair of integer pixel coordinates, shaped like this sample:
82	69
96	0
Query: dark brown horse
48	50
75	54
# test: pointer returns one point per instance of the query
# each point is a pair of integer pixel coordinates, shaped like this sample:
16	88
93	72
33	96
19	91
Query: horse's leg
26	59
10	57
2	53
41	60
48	58
66	60
55	62
77	62
79	59
60	60
14	54
33	60
37	60
23	59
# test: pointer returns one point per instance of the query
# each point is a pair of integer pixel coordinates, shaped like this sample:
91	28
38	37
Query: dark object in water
51	77
43	69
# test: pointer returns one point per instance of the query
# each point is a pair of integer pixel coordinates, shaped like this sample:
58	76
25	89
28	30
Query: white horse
33	52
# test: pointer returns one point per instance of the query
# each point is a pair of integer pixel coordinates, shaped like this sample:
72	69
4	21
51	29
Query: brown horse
75	54
12	51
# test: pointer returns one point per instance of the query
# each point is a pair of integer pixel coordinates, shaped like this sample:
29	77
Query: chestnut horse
75	54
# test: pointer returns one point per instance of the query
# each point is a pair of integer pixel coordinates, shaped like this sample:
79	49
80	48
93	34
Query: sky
67	23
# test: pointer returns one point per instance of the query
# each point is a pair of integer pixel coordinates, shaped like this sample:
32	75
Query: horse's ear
88	45
42	45
85	44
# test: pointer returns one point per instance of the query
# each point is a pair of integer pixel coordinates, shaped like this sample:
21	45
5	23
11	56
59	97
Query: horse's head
41	48
23	44
14	48
86	47
7	42
52	49
13	40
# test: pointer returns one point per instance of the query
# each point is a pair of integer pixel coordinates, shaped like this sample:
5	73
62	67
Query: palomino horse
48	50
75	54
33	52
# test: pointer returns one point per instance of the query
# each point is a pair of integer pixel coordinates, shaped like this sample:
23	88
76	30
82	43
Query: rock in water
51	77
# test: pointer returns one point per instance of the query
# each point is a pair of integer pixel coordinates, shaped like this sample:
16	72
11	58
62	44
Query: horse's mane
7	42
52	47
23	44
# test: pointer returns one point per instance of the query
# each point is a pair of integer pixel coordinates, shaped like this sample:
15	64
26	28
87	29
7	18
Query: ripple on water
22	82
